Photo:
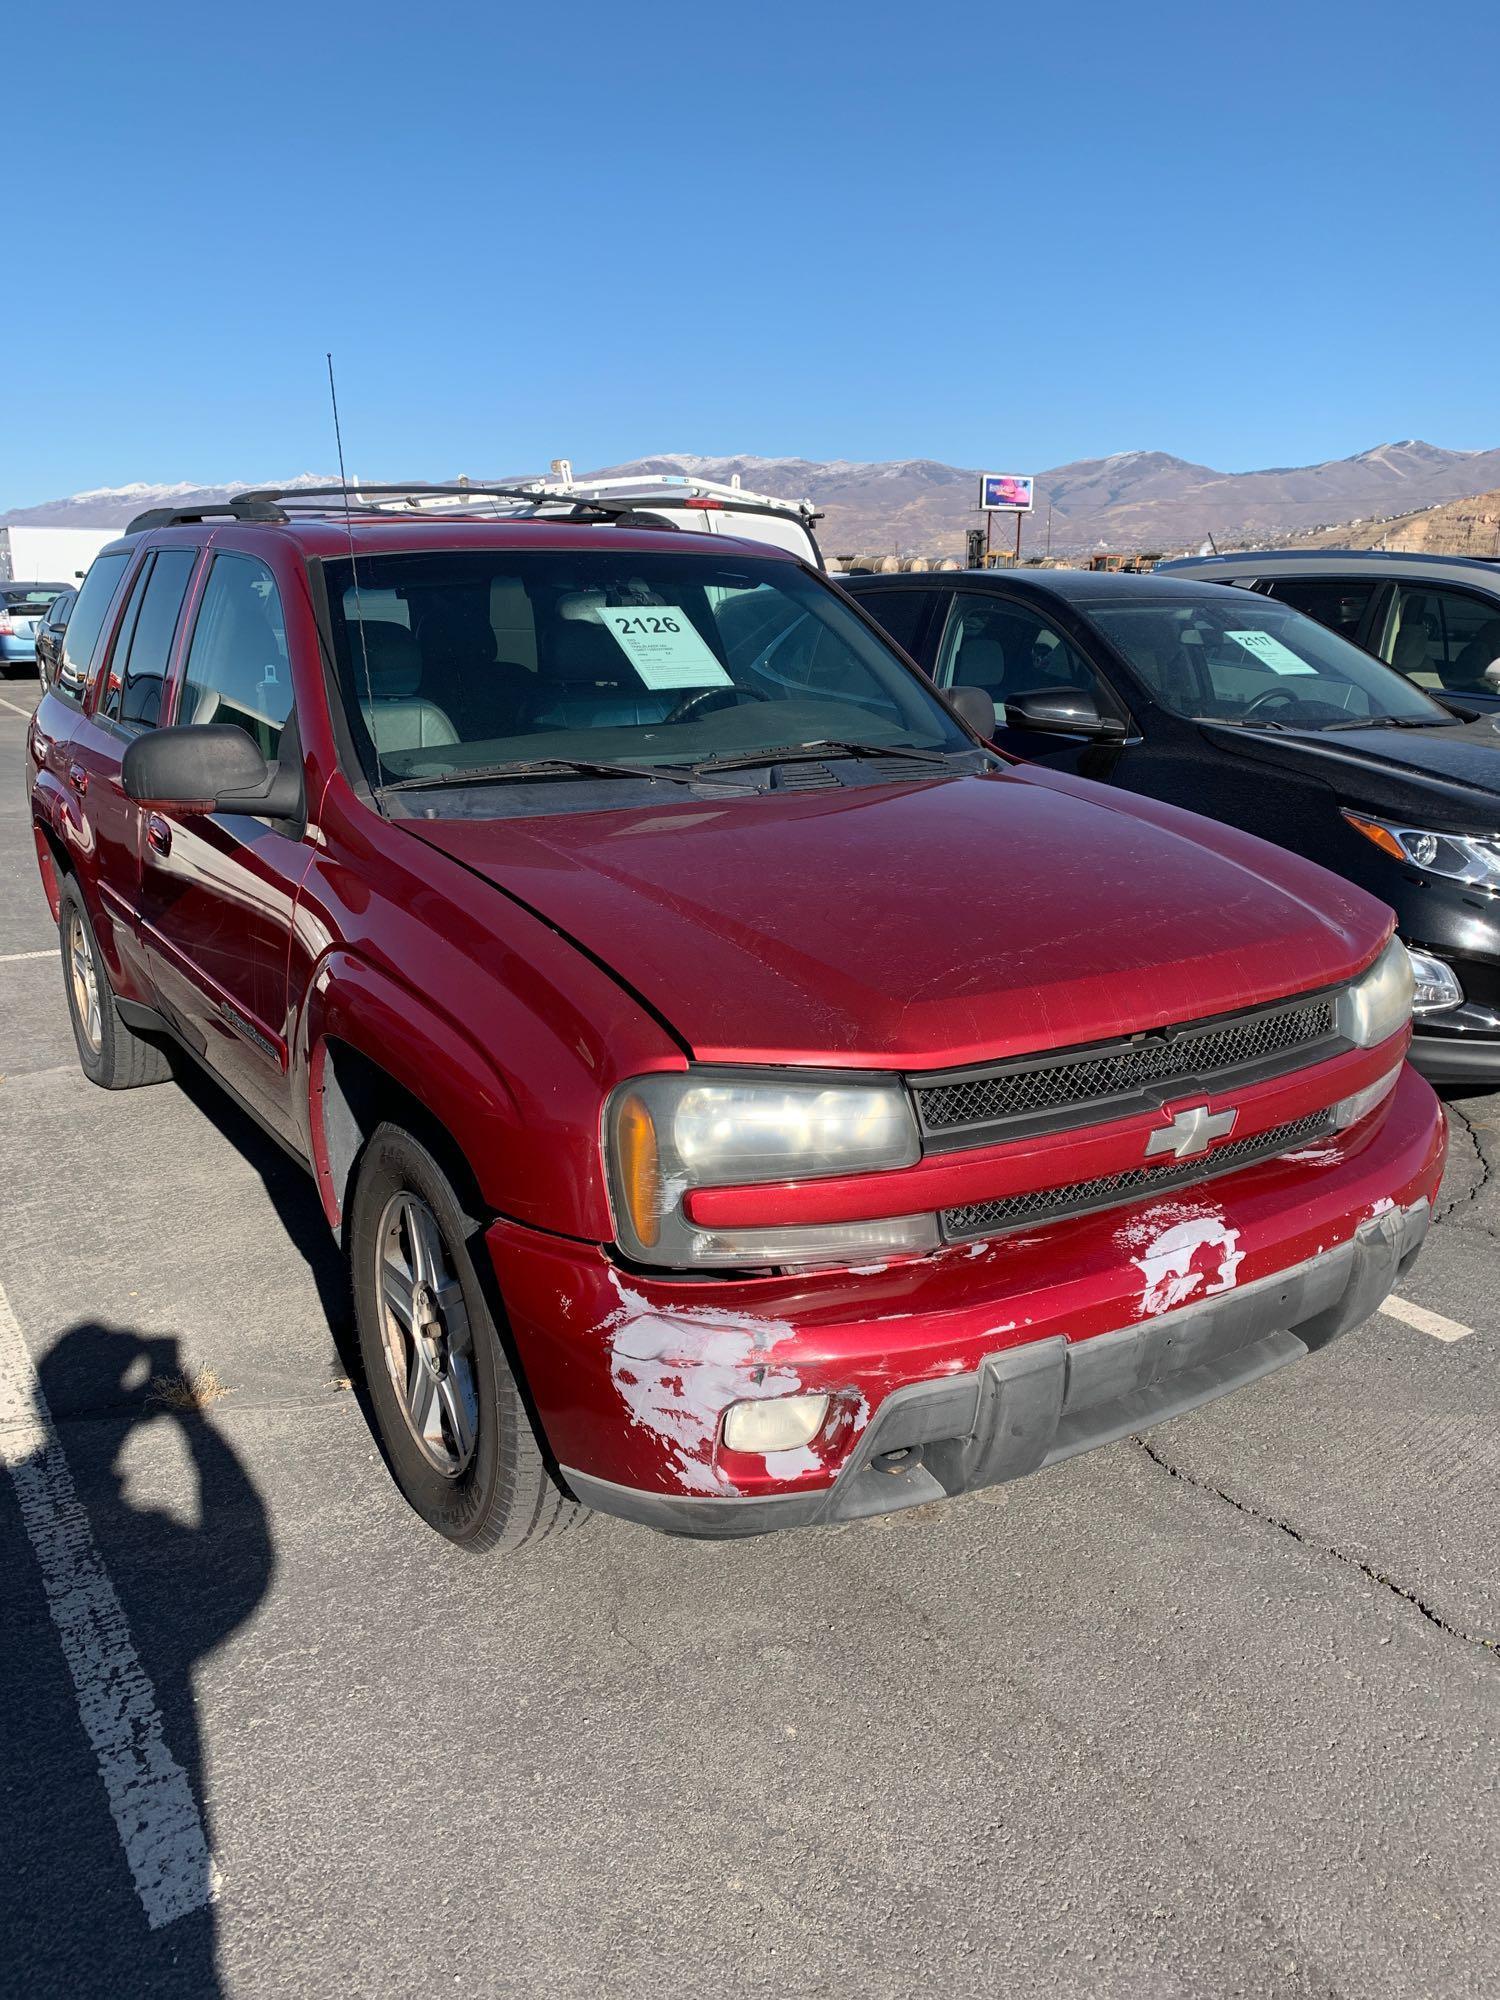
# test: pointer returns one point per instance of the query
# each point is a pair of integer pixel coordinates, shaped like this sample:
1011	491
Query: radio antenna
359	615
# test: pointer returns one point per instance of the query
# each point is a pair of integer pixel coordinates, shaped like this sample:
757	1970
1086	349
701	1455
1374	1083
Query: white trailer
49	555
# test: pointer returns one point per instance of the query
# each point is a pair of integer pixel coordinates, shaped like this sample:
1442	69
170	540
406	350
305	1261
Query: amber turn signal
640	1169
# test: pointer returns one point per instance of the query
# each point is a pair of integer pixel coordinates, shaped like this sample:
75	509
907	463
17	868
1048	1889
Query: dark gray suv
1435	619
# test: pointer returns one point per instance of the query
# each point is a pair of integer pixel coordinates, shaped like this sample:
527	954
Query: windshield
461	661
1257	663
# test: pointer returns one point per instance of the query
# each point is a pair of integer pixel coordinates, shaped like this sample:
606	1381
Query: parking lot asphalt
1211	1712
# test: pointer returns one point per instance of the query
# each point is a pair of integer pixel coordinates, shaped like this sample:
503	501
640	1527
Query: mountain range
1131	500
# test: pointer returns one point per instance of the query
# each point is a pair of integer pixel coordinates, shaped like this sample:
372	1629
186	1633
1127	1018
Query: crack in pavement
1455	1211
1367	1570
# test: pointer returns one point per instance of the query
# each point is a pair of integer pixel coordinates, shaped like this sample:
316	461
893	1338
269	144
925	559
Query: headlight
1437	984
1375	1006
706	1128
1458	857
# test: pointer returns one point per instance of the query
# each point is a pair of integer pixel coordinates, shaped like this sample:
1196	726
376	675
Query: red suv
745	1098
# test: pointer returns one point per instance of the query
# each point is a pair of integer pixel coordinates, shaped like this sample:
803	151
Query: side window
902	613
139	669
1442	639
237	668
109	700
1340	606
95	595
1007	649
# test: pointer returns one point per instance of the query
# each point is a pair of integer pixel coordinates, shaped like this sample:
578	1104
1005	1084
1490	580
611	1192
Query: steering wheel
1271	695
703	701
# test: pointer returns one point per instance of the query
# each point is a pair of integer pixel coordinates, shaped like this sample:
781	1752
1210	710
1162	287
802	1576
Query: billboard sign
1006	492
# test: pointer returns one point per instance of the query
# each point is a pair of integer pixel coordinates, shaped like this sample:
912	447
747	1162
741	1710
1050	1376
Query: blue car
23	606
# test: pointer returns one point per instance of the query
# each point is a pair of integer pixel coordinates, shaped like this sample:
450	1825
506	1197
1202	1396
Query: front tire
447	1405
110	1054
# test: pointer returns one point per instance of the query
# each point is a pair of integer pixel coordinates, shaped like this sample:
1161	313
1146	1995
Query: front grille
1278	1038
1049	1204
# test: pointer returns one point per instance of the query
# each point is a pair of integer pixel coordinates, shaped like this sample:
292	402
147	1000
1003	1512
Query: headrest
395	661
582	607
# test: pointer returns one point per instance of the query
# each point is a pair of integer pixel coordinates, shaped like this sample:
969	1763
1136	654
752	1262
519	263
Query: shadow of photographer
115	1592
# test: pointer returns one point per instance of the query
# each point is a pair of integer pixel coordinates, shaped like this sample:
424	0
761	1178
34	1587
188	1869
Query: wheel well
358	1095
52	859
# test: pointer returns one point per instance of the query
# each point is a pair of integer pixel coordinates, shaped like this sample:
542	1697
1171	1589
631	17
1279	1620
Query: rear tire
111	1055
457	1436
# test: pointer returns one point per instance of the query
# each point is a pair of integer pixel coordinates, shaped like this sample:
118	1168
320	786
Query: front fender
354	1003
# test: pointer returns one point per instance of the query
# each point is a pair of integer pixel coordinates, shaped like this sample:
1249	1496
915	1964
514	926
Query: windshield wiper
540	767
1391	722
824	746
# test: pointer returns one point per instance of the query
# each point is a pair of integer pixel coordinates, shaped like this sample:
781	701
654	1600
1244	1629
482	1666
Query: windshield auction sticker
664	646
1269	650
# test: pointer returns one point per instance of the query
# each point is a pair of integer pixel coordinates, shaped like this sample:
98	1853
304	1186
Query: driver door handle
78	778
158	834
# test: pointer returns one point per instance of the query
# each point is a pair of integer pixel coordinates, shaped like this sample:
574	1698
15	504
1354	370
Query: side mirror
1061	712
215	768
973	706
1492	674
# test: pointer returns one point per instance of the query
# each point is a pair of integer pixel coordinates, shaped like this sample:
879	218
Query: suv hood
1453	770
930	923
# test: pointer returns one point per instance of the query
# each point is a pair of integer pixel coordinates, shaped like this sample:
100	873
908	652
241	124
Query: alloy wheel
84	978
425	1332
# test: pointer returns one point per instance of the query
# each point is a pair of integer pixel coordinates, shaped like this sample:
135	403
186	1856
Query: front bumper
1077	1331
1030	1406
1455	1060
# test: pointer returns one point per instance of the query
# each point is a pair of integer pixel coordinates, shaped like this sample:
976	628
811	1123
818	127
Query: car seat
1482	651
1411	654
586	682
396	713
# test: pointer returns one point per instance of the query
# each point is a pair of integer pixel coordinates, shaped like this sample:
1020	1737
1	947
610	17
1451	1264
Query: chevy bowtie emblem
1191	1132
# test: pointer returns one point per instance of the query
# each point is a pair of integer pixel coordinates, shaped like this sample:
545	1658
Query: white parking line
154	1810
17	957
1425	1321
15	709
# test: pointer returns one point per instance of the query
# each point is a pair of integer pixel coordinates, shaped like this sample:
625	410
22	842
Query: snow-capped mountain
1130	499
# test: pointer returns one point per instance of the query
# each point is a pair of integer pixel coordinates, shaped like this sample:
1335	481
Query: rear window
31	603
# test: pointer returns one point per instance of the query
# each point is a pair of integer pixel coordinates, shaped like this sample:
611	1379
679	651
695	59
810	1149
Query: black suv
1241	708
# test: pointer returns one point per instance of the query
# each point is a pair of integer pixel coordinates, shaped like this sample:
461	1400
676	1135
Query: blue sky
1251	237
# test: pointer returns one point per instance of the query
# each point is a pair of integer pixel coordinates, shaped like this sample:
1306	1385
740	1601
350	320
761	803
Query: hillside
1131	500
1468	527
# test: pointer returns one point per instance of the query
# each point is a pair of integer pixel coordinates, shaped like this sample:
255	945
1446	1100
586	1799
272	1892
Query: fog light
1437	984
775	1423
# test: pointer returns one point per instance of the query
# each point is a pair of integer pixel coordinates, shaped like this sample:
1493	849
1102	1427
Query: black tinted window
109	700
237	669
145	643
902	613
94	597
1340	606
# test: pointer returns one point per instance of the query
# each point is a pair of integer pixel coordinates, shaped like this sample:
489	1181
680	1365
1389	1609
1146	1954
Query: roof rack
243	507
576	499
638	502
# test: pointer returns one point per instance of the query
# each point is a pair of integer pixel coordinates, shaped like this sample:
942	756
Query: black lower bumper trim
1454	1059
1031	1406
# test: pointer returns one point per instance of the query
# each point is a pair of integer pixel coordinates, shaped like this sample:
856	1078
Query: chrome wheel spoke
396	1291
429	1343
455	1394
422	1403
